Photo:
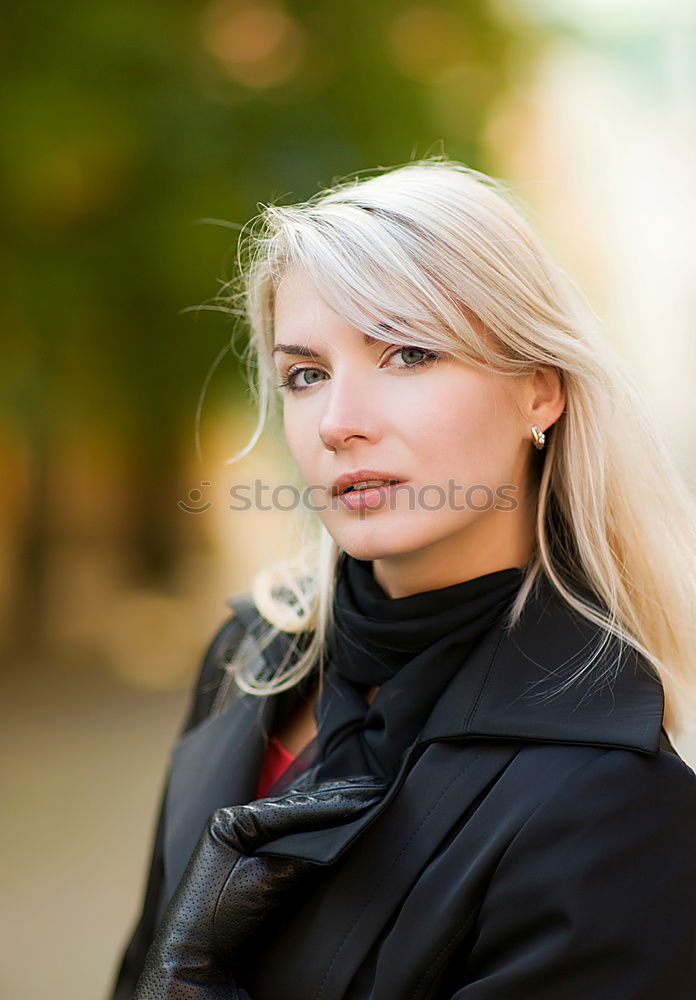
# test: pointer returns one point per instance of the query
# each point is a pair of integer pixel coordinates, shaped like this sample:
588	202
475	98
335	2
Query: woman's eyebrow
307	352
303	351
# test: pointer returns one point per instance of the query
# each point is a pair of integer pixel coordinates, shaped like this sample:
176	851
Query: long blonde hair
434	249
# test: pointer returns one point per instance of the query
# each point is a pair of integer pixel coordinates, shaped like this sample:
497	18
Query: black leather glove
226	893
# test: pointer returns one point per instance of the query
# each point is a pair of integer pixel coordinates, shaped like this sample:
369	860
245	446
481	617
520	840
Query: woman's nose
350	413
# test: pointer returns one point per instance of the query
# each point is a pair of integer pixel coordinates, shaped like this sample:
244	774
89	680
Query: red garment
275	762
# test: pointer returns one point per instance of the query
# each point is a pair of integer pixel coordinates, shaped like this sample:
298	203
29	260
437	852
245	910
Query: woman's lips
371	498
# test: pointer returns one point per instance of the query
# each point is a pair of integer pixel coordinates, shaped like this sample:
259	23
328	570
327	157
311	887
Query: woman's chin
379	544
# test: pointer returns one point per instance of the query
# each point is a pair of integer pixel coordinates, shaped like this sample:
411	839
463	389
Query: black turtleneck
410	648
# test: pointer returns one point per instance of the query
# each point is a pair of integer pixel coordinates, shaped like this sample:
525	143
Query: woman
448	775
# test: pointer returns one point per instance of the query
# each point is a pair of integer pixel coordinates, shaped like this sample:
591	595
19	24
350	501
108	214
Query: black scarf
411	647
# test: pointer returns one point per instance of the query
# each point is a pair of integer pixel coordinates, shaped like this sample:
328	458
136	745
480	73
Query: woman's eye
413	356
407	354
310	375
293	379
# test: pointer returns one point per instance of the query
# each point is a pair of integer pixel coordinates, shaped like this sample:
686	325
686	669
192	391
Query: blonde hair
429	253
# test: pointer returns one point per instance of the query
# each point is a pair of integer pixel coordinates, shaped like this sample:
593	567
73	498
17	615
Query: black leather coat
531	847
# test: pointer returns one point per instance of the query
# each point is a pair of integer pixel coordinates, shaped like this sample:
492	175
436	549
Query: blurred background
125	126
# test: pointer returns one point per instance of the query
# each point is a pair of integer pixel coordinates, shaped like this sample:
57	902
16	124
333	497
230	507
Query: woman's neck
404	580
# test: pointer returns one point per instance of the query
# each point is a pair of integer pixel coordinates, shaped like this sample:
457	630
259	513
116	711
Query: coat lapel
390	847
424	783
215	764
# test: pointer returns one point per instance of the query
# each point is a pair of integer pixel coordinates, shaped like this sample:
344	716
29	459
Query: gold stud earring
539	437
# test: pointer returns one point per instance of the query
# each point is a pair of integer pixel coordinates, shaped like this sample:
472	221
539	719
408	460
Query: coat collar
505	689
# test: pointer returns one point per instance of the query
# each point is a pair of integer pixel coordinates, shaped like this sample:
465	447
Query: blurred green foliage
124	125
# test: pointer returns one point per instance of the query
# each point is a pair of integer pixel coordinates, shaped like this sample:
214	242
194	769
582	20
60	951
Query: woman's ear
546	399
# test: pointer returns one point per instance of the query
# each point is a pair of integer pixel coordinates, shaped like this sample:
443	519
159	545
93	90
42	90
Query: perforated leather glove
226	893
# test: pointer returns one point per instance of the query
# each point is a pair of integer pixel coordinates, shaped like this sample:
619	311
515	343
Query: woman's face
451	434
